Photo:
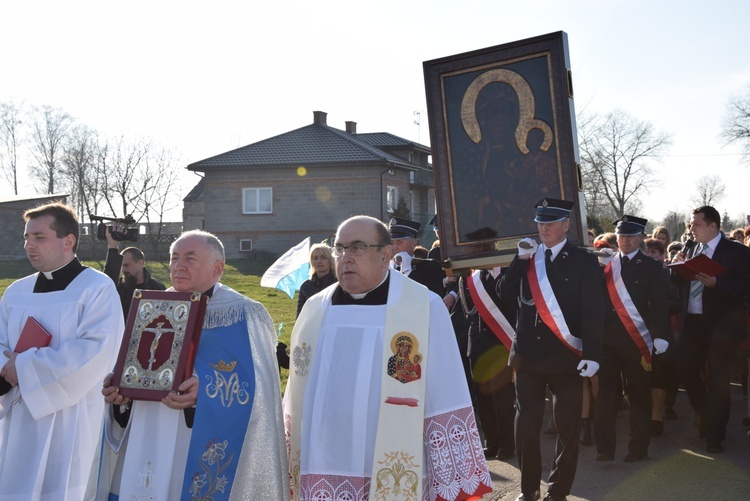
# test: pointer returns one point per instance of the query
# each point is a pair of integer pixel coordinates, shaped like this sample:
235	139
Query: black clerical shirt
377	296
61	278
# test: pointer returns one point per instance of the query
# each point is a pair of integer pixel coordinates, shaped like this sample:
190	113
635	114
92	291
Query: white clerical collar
48	274
556	248
363	294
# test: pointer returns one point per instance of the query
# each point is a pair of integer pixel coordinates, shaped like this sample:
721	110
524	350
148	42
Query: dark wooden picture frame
503	135
160	342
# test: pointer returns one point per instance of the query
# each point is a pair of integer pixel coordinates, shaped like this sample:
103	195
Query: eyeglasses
355	249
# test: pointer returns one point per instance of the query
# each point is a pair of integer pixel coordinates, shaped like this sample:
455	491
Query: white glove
405	259
660	345
604	260
588	368
527	247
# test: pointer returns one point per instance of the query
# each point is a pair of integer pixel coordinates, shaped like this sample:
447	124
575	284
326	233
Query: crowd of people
403	382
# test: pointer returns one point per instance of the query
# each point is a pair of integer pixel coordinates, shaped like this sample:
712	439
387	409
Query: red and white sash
626	310
547	305
488	310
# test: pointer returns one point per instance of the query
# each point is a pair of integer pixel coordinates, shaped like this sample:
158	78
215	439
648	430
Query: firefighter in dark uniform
491	375
636	325
427	272
558	340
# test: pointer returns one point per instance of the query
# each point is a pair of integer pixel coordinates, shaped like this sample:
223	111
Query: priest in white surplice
220	437
377	405
50	408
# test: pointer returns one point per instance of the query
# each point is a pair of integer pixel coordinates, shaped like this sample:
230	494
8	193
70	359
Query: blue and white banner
290	270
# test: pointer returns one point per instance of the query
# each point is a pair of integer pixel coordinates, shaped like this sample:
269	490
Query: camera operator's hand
111	242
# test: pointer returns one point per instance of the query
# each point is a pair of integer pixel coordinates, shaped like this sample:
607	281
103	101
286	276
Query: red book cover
700	264
160	342
33	335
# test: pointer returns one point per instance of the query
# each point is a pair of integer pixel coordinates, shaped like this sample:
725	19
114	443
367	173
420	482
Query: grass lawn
241	275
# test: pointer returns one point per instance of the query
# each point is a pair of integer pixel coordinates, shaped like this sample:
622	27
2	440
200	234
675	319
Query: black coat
575	279
430	274
647	286
723	309
124	289
312	286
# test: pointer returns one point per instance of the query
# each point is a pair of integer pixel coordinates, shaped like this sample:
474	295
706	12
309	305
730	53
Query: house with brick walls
270	195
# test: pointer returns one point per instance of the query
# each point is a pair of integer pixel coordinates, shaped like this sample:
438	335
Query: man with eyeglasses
356	427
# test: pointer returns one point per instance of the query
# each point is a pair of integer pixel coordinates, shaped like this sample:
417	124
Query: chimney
319	117
351	127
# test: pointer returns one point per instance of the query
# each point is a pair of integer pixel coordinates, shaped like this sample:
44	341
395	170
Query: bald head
362	273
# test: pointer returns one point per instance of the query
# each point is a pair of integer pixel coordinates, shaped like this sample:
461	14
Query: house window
391	199
246	245
257	200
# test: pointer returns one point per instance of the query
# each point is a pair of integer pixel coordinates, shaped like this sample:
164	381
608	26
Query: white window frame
391	199
257	209
244	242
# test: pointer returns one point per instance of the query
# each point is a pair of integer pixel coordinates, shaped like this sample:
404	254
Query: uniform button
538	338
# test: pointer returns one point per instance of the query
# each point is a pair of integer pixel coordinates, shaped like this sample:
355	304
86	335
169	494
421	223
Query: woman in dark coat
322	273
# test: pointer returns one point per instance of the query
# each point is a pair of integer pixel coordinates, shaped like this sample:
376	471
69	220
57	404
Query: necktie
548	255
484	275
696	287
625	260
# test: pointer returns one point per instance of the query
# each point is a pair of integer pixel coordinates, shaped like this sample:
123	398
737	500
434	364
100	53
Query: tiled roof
380	139
315	143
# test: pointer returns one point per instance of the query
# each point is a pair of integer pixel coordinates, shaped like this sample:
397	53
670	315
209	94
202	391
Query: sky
203	78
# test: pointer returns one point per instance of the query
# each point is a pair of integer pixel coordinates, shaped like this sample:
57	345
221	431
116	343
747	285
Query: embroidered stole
626	310
488	310
399	449
547	305
225	401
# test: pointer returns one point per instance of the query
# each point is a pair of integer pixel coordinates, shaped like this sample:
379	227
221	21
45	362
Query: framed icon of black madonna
503	135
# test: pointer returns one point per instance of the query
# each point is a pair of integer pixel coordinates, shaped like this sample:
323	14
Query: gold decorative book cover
161	338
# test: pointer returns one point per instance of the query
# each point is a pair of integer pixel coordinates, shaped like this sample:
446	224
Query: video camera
130	234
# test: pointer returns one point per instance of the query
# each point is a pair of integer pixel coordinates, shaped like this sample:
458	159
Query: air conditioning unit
246	245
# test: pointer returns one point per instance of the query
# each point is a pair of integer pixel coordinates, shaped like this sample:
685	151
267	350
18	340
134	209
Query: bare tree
163	195
736	125
125	168
616	155
48	133
10	141
708	191
141	180
81	171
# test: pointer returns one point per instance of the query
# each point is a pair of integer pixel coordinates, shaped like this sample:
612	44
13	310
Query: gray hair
212	240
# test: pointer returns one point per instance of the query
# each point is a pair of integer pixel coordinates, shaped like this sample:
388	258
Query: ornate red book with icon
160	342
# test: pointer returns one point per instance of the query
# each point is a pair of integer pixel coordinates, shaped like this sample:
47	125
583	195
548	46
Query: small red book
700	264
33	335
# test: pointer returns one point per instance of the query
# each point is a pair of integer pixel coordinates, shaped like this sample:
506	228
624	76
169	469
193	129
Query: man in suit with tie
558	340
636	324
712	323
